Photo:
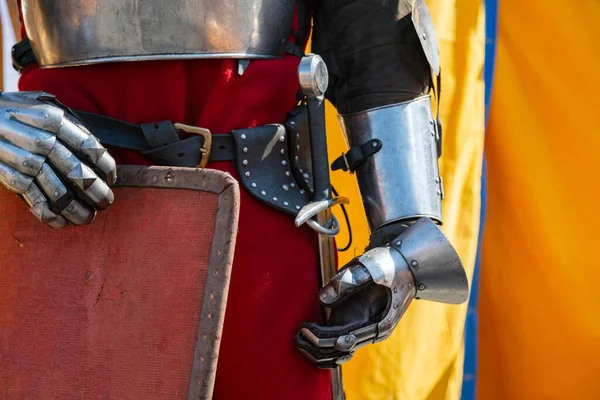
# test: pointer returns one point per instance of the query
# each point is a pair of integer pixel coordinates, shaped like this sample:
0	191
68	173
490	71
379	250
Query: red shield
130	307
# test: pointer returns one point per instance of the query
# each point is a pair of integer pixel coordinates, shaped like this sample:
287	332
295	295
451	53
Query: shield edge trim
204	367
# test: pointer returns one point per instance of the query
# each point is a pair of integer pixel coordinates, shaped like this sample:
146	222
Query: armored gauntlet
49	158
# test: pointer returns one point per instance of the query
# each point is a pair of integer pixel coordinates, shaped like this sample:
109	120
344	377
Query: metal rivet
287	173
201	359
253	185
389	319
432	133
421	287
298	147
215	273
247	174
424	36
46	115
348	339
285	187
281	138
296	158
284	163
209	316
56	194
263	193
306	176
203	183
297	136
395	306
285	203
204	337
386	280
409	284
437	180
275	199
243	137
439	193
302	191
414	263
431	121
245	149
212	296
395	290
38	141
25	163
219	252
300	169
375	144
282	151
292	184
297	207
398	243
169	179
244	162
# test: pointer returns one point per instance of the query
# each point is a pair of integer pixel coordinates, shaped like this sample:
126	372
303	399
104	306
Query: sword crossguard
309	212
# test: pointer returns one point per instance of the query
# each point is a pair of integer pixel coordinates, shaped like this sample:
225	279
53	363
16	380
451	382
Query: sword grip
318	146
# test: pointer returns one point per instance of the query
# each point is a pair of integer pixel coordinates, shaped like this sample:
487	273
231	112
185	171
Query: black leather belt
161	141
273	161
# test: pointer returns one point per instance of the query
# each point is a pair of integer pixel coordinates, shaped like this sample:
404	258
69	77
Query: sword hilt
313	78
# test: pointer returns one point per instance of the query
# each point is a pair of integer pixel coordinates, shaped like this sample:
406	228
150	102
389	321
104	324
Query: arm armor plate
380	55
401	182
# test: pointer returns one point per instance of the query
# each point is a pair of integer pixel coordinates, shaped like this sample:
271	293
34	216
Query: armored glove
369	295
49	158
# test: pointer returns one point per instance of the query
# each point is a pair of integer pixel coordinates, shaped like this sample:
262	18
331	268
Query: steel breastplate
78	32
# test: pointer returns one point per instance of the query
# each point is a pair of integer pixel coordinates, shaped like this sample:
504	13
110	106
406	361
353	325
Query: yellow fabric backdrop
423	358
540	303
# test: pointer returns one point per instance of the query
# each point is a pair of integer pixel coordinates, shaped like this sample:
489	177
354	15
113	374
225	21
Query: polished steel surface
310	210
424	26
312	75
40	141
76	32
438	271
402	180
388	268
327	258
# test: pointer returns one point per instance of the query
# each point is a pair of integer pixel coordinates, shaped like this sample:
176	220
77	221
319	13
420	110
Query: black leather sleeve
372	52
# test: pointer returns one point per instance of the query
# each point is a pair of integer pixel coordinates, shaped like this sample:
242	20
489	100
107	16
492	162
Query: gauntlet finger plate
153	271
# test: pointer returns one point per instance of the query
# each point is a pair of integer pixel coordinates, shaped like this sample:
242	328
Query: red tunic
275	273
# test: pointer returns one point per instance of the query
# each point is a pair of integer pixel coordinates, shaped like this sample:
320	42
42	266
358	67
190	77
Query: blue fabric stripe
469	388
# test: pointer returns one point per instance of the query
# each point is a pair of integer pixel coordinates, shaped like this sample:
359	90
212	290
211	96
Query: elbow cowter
372	51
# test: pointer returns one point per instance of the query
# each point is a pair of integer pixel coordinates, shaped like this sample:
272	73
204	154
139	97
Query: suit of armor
228	66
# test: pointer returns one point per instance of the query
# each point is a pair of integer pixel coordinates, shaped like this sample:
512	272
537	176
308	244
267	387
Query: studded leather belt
273	161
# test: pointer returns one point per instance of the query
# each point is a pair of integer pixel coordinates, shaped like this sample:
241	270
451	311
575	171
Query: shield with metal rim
130	307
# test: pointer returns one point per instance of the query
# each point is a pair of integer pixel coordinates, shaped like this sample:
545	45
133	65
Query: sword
313	78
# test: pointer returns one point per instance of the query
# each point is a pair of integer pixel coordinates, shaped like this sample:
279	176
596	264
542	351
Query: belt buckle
206	147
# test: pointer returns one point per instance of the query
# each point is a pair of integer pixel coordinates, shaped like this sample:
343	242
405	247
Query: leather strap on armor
22	55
